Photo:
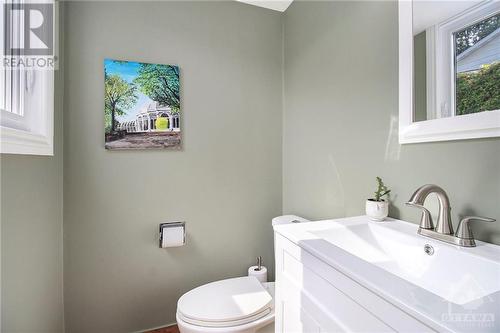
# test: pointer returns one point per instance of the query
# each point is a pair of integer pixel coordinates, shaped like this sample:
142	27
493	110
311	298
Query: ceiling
428	13
279	5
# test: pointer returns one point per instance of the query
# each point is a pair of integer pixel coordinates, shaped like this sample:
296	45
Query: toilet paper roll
261	274
172	234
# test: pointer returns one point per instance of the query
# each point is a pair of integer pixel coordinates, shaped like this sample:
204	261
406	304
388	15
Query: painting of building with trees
141	105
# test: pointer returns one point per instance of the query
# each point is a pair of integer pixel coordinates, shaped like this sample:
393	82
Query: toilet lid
225	303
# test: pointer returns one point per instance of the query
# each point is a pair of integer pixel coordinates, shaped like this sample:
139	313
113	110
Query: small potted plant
377	208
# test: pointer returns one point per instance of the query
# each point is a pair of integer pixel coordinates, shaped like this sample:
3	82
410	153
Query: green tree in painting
119	96
160	83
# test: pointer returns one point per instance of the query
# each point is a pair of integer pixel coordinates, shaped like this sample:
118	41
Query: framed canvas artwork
142	108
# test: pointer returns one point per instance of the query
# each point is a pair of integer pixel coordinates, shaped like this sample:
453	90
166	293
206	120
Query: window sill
15	141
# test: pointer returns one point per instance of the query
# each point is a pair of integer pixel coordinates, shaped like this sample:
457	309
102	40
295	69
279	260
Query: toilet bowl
238	305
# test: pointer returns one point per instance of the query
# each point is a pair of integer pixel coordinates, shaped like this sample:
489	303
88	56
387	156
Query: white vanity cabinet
312	296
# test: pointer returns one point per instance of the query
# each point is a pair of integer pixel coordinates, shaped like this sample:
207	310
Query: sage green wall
226	182
420	76
341	122
32	235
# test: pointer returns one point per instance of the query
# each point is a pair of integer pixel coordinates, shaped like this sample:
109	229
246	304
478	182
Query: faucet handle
464	231
426	220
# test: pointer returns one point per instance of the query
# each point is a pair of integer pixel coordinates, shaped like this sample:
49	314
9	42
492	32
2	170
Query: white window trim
41	142
33	135
472	126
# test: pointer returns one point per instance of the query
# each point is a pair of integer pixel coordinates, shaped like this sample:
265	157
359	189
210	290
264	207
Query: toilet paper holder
164	228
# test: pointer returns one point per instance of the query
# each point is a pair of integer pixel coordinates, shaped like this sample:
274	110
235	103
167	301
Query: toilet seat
225	303
224	323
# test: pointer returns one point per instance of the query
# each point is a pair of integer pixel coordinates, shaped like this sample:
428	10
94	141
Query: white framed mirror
449	70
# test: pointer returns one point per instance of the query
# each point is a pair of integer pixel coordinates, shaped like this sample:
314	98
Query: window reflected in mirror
477	66
456	49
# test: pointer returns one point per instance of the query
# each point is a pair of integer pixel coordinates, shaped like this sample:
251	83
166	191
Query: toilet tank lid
225	300
288	219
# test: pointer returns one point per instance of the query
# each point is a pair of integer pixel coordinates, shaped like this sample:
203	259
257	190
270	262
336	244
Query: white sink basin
456	289
458	275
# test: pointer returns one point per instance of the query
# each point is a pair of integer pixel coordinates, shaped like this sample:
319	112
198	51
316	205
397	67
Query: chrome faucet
443	225
444	228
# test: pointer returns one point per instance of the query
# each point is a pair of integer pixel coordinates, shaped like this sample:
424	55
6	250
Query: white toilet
238	305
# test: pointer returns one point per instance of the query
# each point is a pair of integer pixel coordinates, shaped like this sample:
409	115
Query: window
464	60
431	63
477	66
26	82
12	83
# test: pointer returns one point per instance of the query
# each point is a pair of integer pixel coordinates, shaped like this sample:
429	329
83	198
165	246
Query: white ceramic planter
377	210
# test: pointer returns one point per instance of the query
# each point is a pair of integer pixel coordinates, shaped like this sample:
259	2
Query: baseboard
155	328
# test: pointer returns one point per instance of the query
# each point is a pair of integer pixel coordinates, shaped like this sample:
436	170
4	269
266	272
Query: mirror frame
471	126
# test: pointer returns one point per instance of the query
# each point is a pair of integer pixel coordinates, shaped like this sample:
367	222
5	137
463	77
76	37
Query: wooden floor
170	329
